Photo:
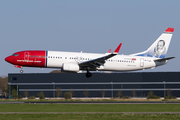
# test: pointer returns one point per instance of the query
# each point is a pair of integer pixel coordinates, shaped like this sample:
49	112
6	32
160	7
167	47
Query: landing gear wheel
88	74
21	71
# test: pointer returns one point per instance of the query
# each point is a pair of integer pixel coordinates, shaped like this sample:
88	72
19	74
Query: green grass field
90	108
91	117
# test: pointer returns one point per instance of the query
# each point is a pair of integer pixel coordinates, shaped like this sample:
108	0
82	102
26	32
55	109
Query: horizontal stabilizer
159	60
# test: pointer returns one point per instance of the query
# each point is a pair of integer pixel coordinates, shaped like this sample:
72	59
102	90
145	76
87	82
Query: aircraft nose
8	59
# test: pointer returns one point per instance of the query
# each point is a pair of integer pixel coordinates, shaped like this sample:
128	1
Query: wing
92	64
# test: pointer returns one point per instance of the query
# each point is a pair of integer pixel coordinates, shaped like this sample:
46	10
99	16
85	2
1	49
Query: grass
89	107
91	117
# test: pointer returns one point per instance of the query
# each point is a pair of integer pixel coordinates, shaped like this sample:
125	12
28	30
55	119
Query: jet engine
72	67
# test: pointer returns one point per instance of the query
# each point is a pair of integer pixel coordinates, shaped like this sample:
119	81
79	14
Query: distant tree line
4	86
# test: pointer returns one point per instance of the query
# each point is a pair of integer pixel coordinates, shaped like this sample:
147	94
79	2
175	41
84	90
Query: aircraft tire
88	74
21	71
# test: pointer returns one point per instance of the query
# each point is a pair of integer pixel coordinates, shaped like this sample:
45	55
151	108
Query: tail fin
160	47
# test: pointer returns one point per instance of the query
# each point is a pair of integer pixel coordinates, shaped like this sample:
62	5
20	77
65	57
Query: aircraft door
142	62
26	56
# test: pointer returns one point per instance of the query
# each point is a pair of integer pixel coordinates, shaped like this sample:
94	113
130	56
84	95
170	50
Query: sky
93	26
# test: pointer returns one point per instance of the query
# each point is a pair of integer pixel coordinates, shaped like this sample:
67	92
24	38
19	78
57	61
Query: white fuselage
56	59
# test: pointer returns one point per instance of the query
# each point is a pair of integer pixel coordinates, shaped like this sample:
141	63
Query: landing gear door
26	56
142	62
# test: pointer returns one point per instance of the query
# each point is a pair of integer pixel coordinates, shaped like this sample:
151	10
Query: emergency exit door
142	62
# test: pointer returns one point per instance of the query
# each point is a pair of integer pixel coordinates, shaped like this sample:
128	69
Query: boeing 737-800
77	61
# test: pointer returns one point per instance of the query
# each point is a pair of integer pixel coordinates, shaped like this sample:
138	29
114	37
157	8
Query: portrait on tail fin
160	48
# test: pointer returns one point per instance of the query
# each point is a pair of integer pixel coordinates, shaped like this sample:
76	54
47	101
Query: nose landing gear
17	66
21	71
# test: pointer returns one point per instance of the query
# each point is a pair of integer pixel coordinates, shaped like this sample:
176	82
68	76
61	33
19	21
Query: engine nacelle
72	67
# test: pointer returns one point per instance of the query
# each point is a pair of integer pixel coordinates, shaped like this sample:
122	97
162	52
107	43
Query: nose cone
8	59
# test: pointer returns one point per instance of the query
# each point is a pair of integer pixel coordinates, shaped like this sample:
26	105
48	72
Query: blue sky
88	26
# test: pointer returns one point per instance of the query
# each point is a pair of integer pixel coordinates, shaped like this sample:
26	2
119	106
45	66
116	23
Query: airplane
78	61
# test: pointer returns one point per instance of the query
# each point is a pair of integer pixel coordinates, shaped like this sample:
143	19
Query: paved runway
11	102
119	102
89	112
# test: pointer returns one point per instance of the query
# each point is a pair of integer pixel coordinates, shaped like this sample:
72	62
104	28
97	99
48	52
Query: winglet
169	30
117	49
109	51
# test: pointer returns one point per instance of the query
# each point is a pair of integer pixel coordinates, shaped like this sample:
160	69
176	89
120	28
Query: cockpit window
15	54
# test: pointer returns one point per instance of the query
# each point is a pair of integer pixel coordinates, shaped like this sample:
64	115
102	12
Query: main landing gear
88	74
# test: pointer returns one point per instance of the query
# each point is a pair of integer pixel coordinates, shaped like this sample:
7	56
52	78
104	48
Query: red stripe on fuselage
29	58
